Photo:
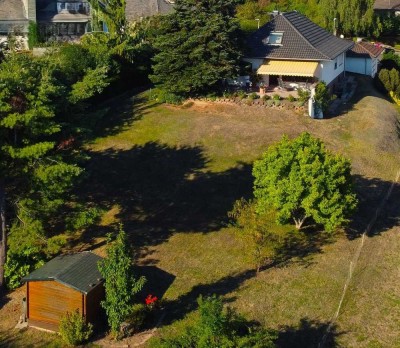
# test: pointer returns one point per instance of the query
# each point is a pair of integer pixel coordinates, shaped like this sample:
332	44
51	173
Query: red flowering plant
151	301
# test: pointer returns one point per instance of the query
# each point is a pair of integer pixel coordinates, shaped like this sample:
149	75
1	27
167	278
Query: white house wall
255	62
326	69
364	66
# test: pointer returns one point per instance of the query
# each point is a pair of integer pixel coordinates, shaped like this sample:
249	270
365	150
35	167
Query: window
336	60
274	39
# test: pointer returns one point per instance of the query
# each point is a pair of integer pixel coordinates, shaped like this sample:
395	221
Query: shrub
276	97
74	330
291	98
304	95
270	103
241	94
254	96
137	318
163	96
265	97
219	327
277	102
322	96
33	35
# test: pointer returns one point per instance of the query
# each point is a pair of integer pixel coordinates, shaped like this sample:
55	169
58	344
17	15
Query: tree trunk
3	232
299	222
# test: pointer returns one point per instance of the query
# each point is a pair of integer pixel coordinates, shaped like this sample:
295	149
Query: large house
292	47
139	9
389	6
15	15
63	19
67	19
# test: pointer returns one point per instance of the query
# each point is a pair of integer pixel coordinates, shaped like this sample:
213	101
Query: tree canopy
34	173
197	47
302	179
353	17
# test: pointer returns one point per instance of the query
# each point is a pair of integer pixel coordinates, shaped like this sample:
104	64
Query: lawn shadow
371	194
119	113
187	303
308	334
300	246
157	281
4	298
161	190
365	88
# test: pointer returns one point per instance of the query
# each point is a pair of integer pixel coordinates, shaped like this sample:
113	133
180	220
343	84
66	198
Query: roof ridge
298	32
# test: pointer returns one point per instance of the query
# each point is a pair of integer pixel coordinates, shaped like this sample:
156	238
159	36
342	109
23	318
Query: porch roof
288	68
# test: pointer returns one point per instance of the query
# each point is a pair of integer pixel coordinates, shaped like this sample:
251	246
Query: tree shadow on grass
308	334
186	303
118	114
300	247
371	194
161	190
365	88
4	298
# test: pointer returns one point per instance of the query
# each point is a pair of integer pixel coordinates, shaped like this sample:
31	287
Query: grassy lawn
171	174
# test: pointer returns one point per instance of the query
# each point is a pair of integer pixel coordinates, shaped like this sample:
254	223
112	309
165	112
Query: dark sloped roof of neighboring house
11	10
365	50
302	40
136	9
387	5
78	271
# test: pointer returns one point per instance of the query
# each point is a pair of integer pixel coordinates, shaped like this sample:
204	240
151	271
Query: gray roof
393	5
78	271
136	9
302	40
12	10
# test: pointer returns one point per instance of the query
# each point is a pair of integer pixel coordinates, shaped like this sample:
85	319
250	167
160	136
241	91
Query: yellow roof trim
288	68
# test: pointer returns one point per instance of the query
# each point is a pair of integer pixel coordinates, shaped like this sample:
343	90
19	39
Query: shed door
49	301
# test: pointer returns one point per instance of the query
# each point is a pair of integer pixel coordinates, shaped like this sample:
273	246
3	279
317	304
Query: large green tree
197	48
34	175
303	180
120	283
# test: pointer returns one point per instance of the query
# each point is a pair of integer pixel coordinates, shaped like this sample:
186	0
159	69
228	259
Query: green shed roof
78	271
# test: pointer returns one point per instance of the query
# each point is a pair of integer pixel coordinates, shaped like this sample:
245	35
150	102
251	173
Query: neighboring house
139	9
65	20
291	46
364	58
66	283
388	6
15	16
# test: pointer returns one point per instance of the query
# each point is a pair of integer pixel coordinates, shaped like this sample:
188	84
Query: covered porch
286	75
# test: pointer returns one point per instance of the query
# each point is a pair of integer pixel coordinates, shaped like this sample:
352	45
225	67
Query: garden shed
66	283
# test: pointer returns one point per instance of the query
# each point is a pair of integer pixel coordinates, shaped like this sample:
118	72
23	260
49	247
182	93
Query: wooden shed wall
93	310
48	301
